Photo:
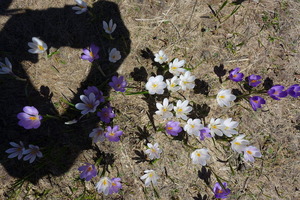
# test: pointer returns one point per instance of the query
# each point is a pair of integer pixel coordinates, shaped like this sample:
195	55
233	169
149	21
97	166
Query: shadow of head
57	27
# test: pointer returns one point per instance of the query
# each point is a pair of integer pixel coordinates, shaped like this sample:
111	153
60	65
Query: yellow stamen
91	54
249	152
111	134
222	97
150	175
33	118
41	48
169	128
154	85
113	184
104	182
198	154
237	143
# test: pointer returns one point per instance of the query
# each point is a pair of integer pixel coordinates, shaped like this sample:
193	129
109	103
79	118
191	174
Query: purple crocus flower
90	54
276	92
220	193
106	114
256	102
32	153
204	132
88	171
294	90
234	75
254	80
113	134
98	94
116	185
173	128
30	118
118	83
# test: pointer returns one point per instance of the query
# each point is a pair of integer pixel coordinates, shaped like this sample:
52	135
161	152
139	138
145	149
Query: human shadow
57	27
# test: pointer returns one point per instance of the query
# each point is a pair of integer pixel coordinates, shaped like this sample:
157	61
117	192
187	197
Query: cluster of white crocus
181	109
222	127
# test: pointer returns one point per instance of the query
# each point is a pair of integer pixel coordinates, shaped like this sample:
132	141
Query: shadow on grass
57	27
200	197
205	175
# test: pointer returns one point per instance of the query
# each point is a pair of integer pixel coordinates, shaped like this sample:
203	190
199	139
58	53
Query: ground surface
260	38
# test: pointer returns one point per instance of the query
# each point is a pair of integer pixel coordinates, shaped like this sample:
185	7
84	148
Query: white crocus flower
187	81
216	127
173	84
32	153
104	185
6	68
80	8
251	152
161	57
200	156
89	104
164	109
193	127
150	176
156	85
114	55
182	109
153	152
110	27
97	134
175	67
239	144
229	127
224	98
37	46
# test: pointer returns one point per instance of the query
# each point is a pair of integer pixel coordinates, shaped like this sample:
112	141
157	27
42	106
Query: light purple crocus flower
90	54
116	185
98	94
256	102
17	150
254	80
251	152
234	75
294	90
89	104
113	134
30	118
220	193
118	83
32	153
173	128
88	171
276	92
106	114
204	132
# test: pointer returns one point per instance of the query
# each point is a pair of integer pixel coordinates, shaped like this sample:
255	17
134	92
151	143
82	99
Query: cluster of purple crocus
276	92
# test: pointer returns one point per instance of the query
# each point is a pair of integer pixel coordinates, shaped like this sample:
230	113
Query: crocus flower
80	8
161	57
239	144
187	81
220	193
276	92
89	104
234	75
37	46
32	153
97	134
153	152
150	176
200	156
118	83
251	152
229	127
204	132
193	127
110	27
30	118
294	90
156	85
116	185
176	67
88	171
173	84
173	128
256	102
254	80
224	98
164	110
182	109
216	127
113	134
114	55
90	54
17	150
104	185
98	94
6	68
106	114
